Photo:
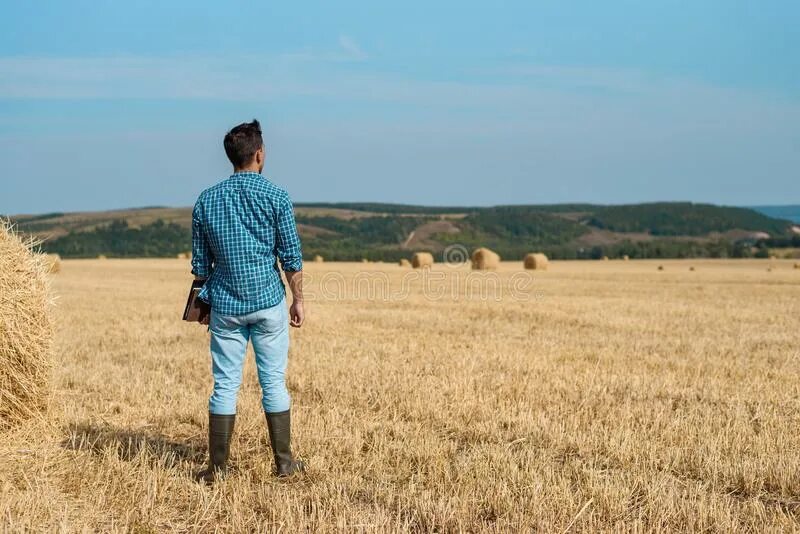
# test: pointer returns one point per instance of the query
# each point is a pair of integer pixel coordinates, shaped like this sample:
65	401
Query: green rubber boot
280	430
220	430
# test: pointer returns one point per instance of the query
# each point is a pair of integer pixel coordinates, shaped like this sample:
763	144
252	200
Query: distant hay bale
52	262
773	257
26	330
605	258
318	259
364	260
422	260
102	257
484	259
625	257
182	256
536	261
404	263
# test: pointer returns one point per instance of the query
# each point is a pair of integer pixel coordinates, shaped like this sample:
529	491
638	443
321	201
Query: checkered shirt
239	228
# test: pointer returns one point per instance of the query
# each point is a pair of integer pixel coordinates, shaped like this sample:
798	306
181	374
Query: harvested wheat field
598	396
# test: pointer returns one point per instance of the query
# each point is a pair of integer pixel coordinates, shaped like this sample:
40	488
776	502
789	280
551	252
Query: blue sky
119	104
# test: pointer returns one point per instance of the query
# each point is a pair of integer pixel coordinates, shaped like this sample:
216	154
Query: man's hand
296	314
205	317
205	313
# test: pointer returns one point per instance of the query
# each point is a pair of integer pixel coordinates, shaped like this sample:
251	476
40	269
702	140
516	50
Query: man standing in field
240	227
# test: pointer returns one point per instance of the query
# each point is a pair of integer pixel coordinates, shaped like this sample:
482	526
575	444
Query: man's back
242	225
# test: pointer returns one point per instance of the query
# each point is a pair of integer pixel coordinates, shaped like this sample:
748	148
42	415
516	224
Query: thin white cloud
291	74
148	78
351	48
559	97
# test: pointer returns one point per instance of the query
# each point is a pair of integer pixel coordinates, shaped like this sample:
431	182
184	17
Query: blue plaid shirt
239	228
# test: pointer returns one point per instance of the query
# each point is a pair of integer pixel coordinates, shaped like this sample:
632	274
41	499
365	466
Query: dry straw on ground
484	259
421	260
536	261
52	262
604	397
26	329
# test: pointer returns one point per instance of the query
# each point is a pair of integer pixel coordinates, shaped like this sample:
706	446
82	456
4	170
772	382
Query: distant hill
790	212
351	231
684	218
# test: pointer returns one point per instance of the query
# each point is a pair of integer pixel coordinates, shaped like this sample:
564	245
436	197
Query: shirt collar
246	174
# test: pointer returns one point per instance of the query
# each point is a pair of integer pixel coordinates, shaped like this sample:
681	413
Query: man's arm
296	311
202	257
290	255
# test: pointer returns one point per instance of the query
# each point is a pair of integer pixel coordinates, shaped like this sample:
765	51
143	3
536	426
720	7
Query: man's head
245	147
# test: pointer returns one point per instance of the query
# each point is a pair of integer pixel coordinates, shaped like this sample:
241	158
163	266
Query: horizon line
427	206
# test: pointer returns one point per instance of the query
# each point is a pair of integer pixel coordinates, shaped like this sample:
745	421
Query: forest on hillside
678	230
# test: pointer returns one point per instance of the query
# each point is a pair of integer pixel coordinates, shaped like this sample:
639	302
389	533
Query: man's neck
247	169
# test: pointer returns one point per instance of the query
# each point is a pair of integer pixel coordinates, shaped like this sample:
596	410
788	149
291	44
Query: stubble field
597	396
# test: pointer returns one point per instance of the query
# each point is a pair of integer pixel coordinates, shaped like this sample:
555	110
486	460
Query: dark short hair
242	143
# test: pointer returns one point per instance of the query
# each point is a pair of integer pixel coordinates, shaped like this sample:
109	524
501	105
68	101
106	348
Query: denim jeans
269	331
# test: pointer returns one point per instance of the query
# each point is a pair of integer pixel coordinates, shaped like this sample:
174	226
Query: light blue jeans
269	330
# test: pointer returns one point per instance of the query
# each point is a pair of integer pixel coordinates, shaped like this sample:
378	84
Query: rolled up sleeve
202	257
287	242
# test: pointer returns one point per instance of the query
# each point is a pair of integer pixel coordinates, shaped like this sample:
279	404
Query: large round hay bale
625	257
605	258
484	259
26	330
422	260
182	256
318	259
535	260
102	257
52	262
404	263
